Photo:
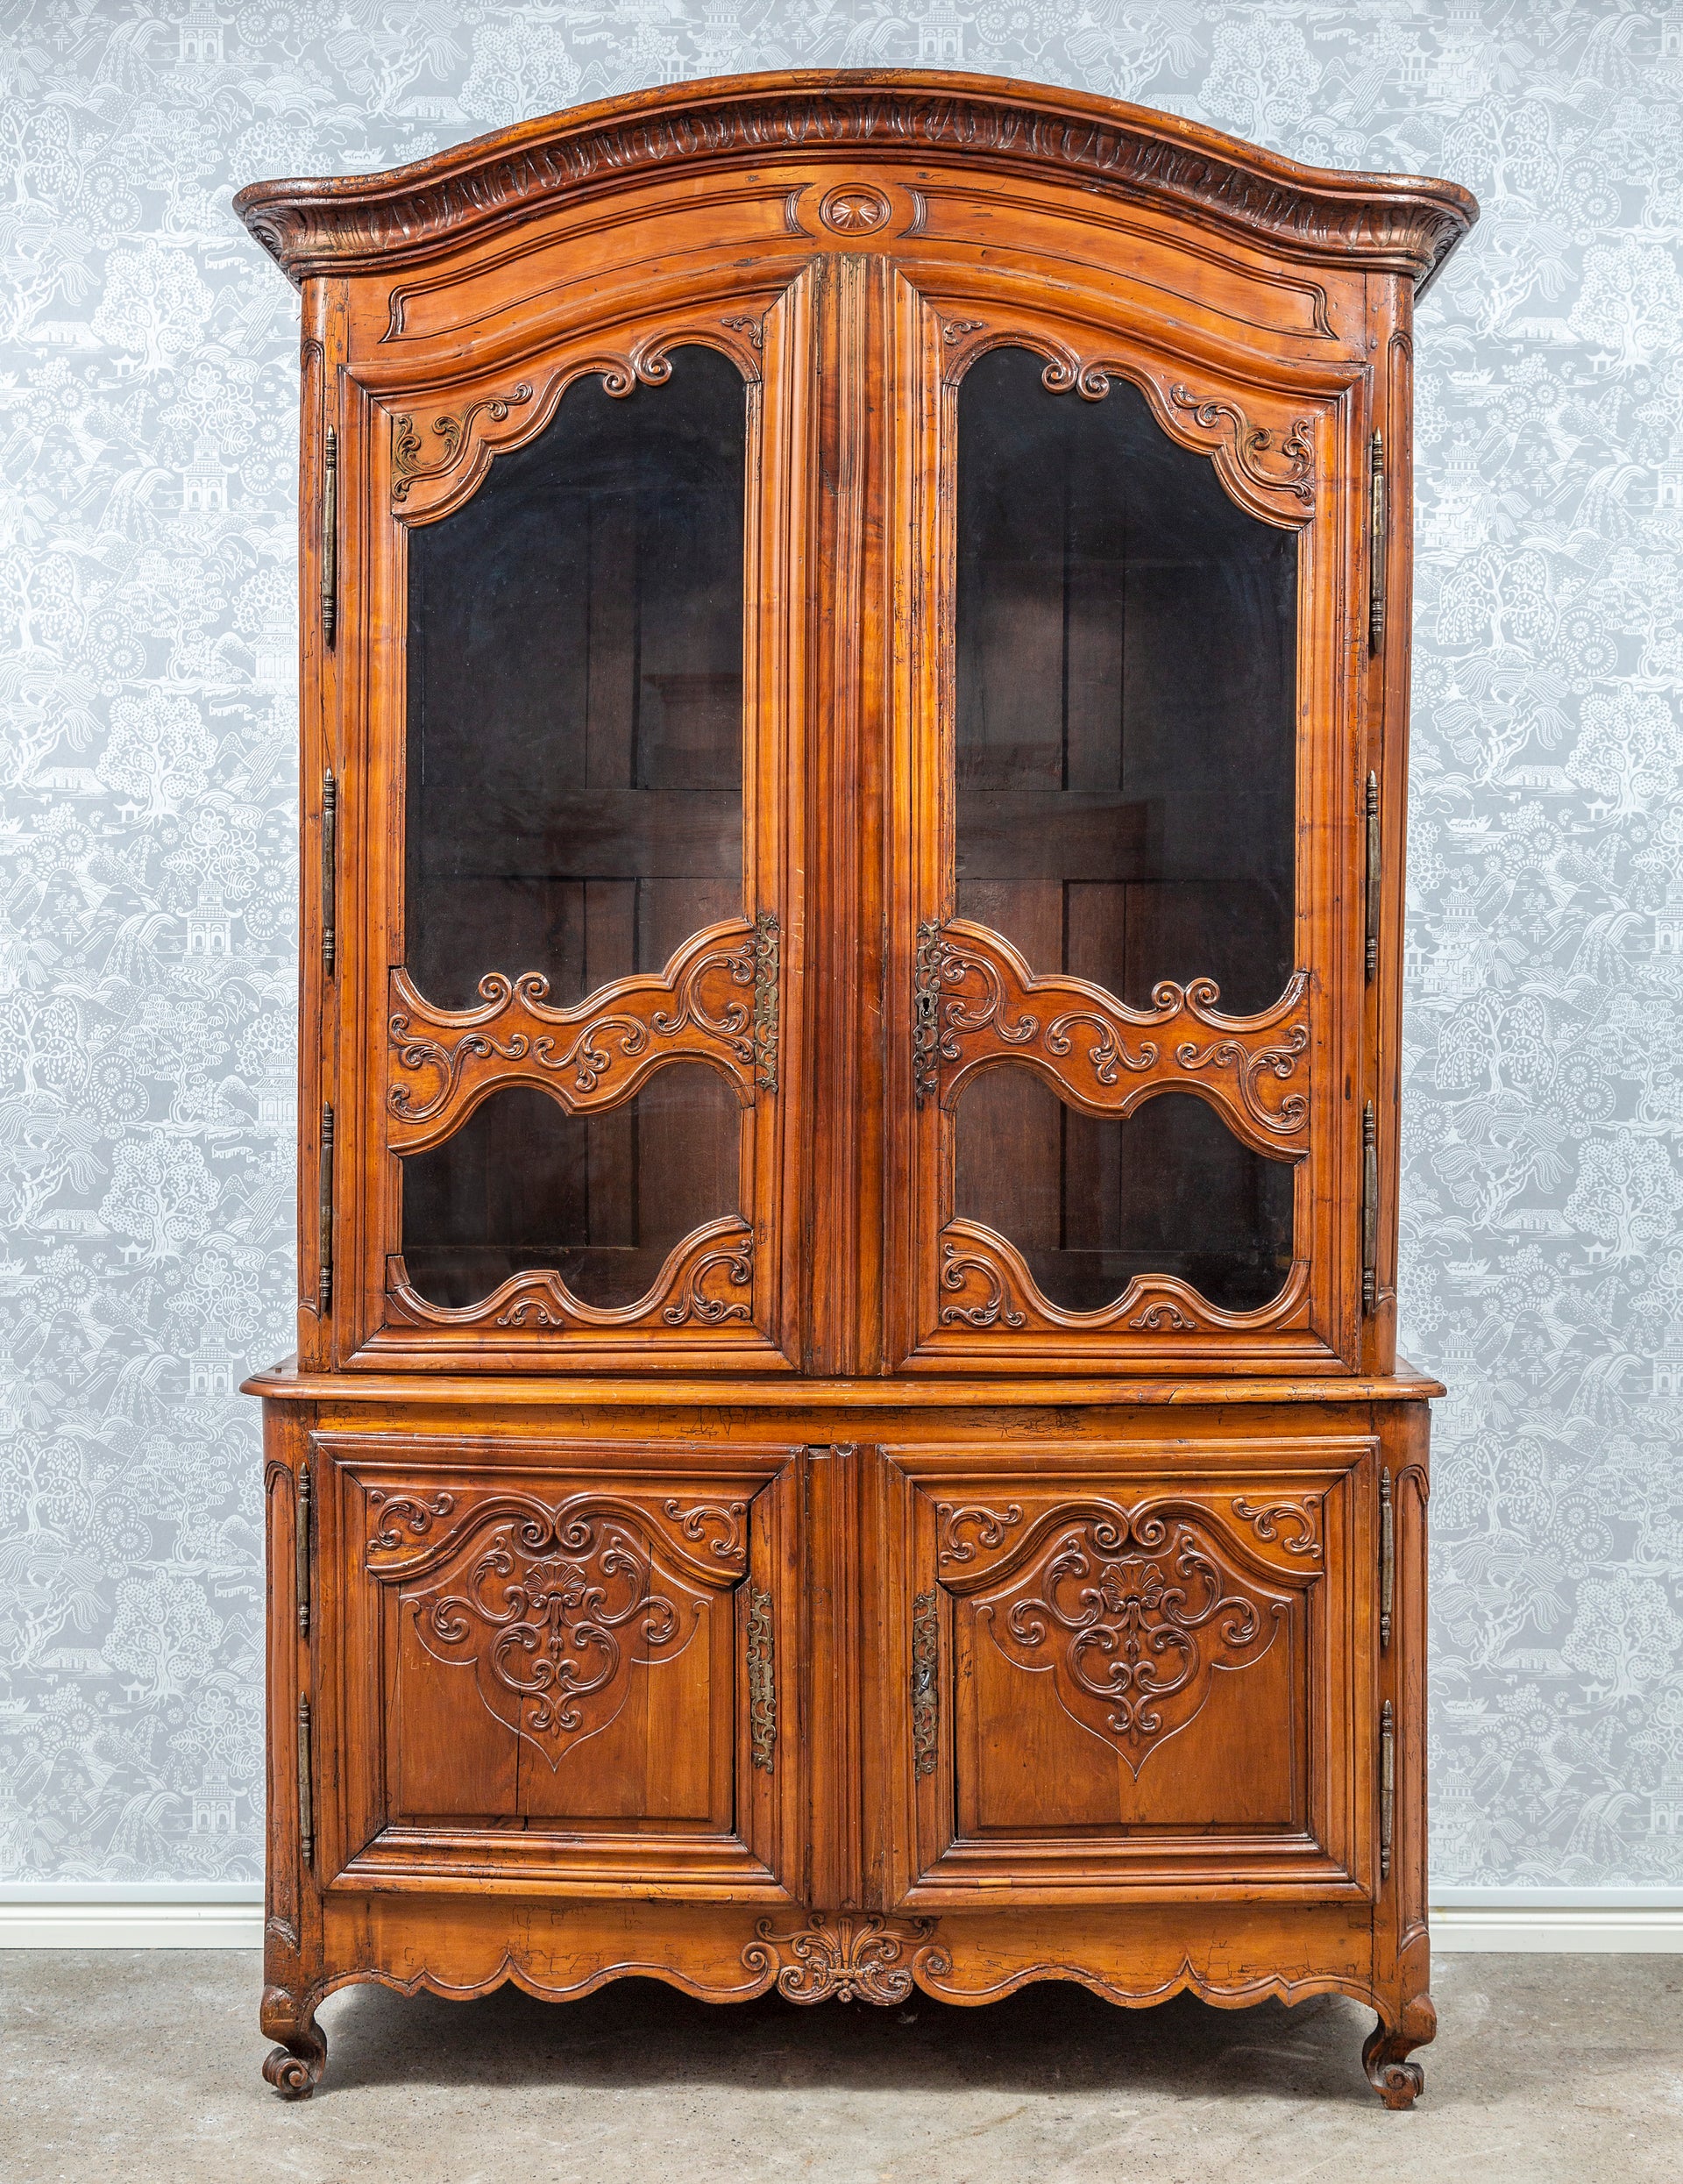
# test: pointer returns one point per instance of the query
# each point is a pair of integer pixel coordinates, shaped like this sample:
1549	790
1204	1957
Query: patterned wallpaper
146	915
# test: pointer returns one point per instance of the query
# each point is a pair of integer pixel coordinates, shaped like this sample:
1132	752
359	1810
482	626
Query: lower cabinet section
556	1661
1132	1668
747	1709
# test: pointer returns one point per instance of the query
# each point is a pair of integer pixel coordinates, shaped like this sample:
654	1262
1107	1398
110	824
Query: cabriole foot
293	2069
1396	2080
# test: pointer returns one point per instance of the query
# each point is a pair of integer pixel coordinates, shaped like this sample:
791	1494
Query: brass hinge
925	1010
1386	1557
1377	543
926	1697
1386	1787
300	1525
1369	1209
306	1805
330	533
1373	873
330	869
762	1682
325	1277
767	967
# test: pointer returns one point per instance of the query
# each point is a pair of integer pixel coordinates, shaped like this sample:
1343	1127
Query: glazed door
1129	1668
1123	717
584	1017
555	1663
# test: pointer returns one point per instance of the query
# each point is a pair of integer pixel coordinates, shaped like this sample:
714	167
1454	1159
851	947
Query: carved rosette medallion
553	1609
842	1957
1132	1613
855	209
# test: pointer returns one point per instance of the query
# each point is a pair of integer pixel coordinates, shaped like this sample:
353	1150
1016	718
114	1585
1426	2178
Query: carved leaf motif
845	1956
1132	1613
552	1613
990	1526
1299	1517
1246	444
994	1307
408	467
734	1265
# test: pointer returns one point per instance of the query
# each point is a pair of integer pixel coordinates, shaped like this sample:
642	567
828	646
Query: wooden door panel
559	1660
1129	1667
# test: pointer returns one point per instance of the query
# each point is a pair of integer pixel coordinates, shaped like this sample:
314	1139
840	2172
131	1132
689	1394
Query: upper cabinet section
855	744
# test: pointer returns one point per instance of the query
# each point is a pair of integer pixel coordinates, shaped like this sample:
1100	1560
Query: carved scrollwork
1064	373
995	1307
409	469
724	1519
1245	442
715	1001
1300	1517
989	1272
846	1956
684	1292
735	1265
991	1526
1132	1612
977	1004
552	1611
412	1513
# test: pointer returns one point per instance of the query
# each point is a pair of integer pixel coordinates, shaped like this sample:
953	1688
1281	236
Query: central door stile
856	498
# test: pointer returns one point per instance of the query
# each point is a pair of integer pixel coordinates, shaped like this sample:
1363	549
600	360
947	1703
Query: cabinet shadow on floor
1054	2038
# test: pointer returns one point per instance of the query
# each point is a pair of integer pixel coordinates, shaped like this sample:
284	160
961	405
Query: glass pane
1090	1203
1125	689
575	694
601	1198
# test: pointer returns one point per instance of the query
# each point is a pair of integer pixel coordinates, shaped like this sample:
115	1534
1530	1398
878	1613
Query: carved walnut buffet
846	1430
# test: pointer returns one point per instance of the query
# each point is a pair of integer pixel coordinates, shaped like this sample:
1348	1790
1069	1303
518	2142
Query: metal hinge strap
1373	873
330	869
767	970
926	1697
1369	1209
300	1544
330	533
324	1278
930	963
1377	544
1386	1787
762	1682
306	1805
1386	1557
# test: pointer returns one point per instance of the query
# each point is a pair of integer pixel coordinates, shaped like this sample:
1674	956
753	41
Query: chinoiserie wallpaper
147	925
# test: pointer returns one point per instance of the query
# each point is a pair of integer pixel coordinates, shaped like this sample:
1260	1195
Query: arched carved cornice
1398	222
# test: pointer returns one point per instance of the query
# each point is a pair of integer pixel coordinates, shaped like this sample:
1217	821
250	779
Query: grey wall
147	925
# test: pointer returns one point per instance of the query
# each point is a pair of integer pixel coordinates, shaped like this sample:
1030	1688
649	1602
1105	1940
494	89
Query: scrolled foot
1384	2057
293	2069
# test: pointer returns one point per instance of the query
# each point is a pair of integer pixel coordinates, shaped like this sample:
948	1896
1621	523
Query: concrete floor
143	2065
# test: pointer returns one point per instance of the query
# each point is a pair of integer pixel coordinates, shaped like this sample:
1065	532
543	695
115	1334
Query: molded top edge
1408	223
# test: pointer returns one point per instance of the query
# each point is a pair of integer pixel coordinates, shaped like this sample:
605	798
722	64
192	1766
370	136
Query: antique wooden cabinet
846	1429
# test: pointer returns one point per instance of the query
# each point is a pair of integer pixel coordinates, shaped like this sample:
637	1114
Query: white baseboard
166	1915
115	1922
